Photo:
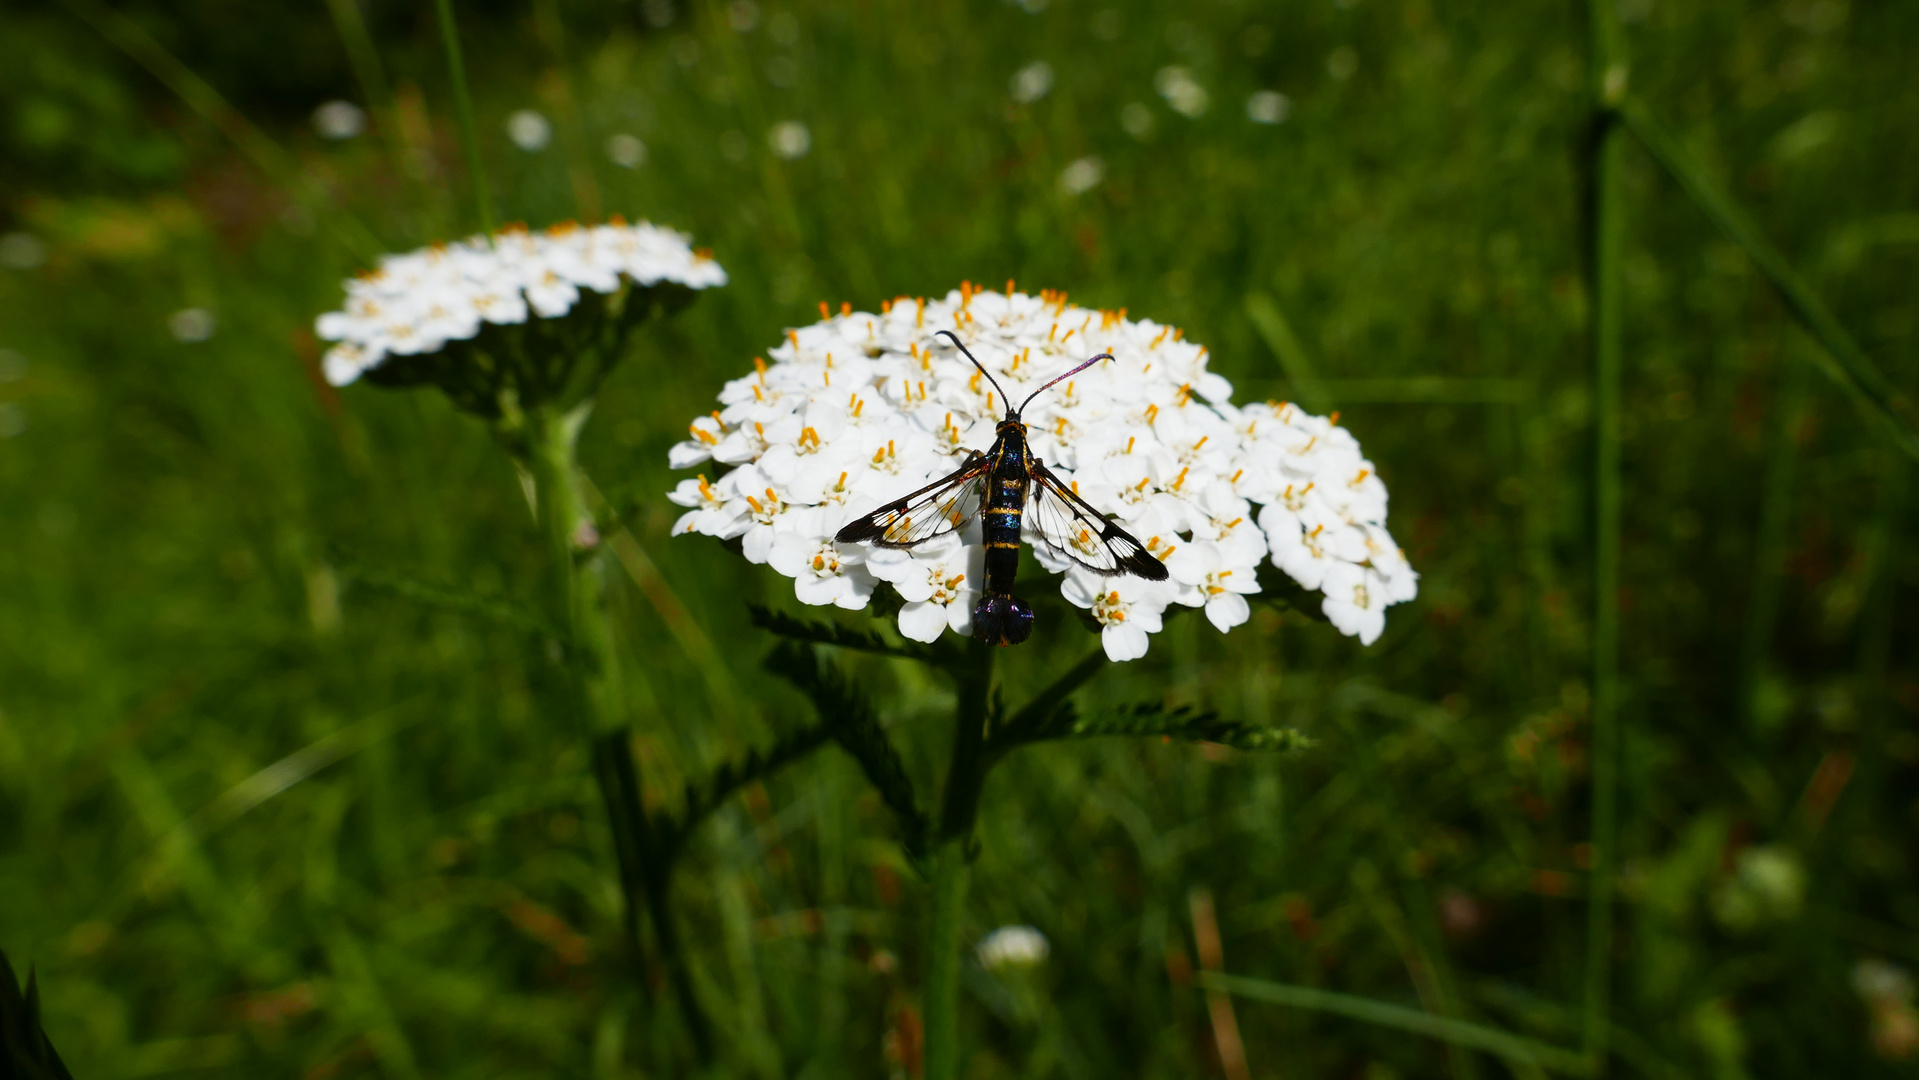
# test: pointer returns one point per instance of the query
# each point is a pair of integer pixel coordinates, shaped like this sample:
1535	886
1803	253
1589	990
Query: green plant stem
575	580
1609	86
958	810
463	112
943	960
576	591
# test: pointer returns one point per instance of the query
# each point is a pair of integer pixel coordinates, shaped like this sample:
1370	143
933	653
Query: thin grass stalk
950	862
254	144
1513	1048
1881	399
586	186
1270	322
1608	73
371	76
463	112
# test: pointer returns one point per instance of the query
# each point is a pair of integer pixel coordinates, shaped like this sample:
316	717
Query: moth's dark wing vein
1071	527
936	509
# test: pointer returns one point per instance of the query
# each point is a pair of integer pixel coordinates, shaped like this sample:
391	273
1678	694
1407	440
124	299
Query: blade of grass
463	112
290	770
200	96
368	1004
659	593
1852	369
1278	334
586	186
504	612
1505	1044
1212	959
368	72
1423	390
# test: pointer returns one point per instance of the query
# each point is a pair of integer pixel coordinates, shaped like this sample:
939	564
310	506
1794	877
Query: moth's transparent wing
1069	526
934	510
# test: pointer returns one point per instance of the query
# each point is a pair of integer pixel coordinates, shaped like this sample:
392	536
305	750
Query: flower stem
576	591
576	584
959	809
463	111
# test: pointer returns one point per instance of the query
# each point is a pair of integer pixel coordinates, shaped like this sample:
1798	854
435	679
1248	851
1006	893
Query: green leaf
850	718
758	764
1180	722
25	1050
502	611
825	633
1024	726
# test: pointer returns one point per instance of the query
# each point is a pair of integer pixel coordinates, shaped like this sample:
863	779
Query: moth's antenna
982	367
1062	378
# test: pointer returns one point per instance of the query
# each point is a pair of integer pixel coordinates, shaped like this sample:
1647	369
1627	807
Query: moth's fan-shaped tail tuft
1002	620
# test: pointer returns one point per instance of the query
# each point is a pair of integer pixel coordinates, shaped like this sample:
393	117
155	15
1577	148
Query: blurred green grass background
425	887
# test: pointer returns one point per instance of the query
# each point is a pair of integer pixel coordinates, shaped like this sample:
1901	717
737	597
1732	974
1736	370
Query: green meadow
284	787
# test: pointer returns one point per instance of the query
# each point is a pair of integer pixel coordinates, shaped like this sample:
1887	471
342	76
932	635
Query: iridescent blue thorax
1001	617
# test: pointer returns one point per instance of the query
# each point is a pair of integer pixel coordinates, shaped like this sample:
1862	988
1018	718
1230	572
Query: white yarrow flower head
863	408
496	321
1012	947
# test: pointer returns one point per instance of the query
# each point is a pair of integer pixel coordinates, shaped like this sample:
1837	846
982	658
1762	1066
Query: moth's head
1011	423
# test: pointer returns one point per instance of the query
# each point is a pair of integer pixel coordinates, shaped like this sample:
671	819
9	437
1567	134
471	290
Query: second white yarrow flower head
484	317
863	408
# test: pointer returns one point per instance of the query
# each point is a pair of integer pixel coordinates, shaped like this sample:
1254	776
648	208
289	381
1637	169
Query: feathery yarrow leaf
758	764
787	626
847	713
1180	722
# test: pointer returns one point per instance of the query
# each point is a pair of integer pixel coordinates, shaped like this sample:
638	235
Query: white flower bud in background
1886	990
626	151
1768	884
1031	82
863	408
1082	176
790	140
190	325
1177	86
529	130
1012	946
1137	119
1342	62
1268	107
339	120
22	251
